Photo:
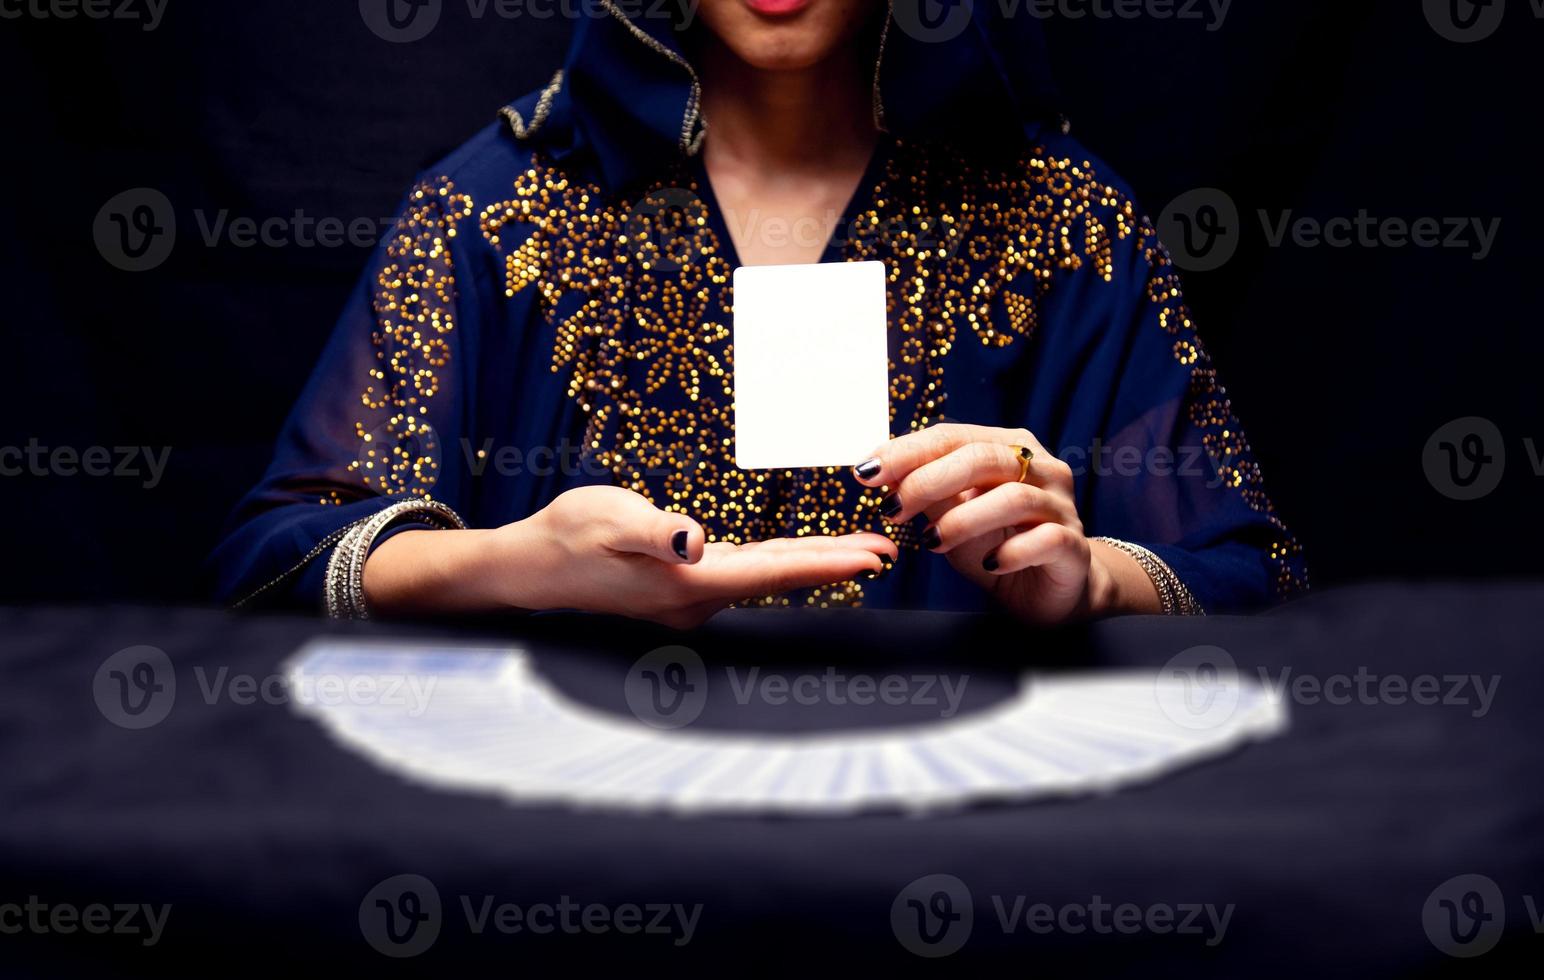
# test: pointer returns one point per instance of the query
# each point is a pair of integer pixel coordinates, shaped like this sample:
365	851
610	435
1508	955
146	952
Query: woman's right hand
608	550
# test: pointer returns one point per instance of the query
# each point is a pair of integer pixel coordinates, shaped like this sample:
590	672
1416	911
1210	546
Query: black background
1342	361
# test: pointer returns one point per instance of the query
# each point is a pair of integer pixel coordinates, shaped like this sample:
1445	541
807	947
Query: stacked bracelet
345	583
1176	599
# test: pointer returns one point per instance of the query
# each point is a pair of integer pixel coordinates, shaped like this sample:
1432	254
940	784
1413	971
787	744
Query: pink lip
777	8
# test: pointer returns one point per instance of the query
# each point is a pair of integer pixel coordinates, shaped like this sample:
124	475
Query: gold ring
1025	455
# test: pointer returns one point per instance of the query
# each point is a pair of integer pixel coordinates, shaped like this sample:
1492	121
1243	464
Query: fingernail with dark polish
868	469
678	544
891	505
931	539
885	559
990	562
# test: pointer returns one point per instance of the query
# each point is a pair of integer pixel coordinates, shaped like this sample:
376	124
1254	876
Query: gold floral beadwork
1211	411
970	250
414	305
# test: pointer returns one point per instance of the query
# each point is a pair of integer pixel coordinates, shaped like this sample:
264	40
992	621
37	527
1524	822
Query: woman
528	403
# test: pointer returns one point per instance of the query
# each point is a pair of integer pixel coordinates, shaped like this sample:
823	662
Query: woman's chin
782	62
779	50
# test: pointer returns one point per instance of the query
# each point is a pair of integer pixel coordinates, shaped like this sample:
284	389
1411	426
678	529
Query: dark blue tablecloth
1347	847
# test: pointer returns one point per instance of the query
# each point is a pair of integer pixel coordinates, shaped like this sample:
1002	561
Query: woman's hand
1022	541
608	550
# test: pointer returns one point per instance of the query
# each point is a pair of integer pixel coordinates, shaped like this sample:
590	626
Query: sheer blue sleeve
370	429
1164	463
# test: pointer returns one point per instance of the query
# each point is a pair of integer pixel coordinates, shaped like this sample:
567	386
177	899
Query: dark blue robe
554	310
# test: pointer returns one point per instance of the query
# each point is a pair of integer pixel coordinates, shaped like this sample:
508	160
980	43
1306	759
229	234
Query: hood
628	99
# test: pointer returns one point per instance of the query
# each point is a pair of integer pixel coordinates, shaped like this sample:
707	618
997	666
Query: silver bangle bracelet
345	581
1172	593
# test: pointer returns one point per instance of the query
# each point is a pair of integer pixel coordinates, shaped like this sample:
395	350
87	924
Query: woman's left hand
1021	540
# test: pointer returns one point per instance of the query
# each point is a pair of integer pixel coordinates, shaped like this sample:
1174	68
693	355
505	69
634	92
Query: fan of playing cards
486	720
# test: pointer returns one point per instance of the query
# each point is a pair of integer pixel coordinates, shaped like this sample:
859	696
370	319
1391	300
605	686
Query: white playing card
811	364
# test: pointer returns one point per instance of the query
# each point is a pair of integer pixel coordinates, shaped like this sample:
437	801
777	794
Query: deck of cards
486	721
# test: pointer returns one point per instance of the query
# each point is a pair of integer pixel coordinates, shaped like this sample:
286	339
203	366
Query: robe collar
627	102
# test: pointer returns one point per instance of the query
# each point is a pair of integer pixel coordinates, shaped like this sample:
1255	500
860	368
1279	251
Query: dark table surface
1373	838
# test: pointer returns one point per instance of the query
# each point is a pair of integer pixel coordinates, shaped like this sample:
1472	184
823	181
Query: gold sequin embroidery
970	251
414	305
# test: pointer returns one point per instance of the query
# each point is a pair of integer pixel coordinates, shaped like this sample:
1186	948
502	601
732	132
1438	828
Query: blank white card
811	365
